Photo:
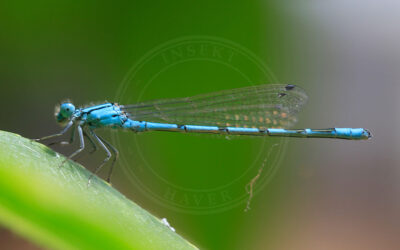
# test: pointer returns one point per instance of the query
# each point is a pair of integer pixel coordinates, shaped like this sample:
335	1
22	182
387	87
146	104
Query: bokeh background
324	194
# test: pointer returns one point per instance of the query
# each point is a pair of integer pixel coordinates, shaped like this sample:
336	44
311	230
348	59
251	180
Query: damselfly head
64	112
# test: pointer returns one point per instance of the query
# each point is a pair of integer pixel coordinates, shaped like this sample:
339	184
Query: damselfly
263	110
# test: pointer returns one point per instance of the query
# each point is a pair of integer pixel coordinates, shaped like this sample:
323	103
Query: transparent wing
262	106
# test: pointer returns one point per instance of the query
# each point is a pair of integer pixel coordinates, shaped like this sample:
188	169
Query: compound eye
67	109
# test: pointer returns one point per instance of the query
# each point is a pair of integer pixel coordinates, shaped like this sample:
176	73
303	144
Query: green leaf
54	207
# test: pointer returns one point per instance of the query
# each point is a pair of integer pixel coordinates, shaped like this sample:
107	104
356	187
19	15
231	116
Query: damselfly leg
81	146
116	155
62	142
69	125
99	141
85	133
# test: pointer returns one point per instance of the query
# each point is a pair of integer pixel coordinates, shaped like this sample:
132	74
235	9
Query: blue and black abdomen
338	133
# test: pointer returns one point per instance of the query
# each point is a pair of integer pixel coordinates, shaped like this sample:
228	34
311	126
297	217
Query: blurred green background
315	193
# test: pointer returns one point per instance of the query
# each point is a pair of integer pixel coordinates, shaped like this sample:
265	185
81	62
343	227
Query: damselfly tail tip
368	133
